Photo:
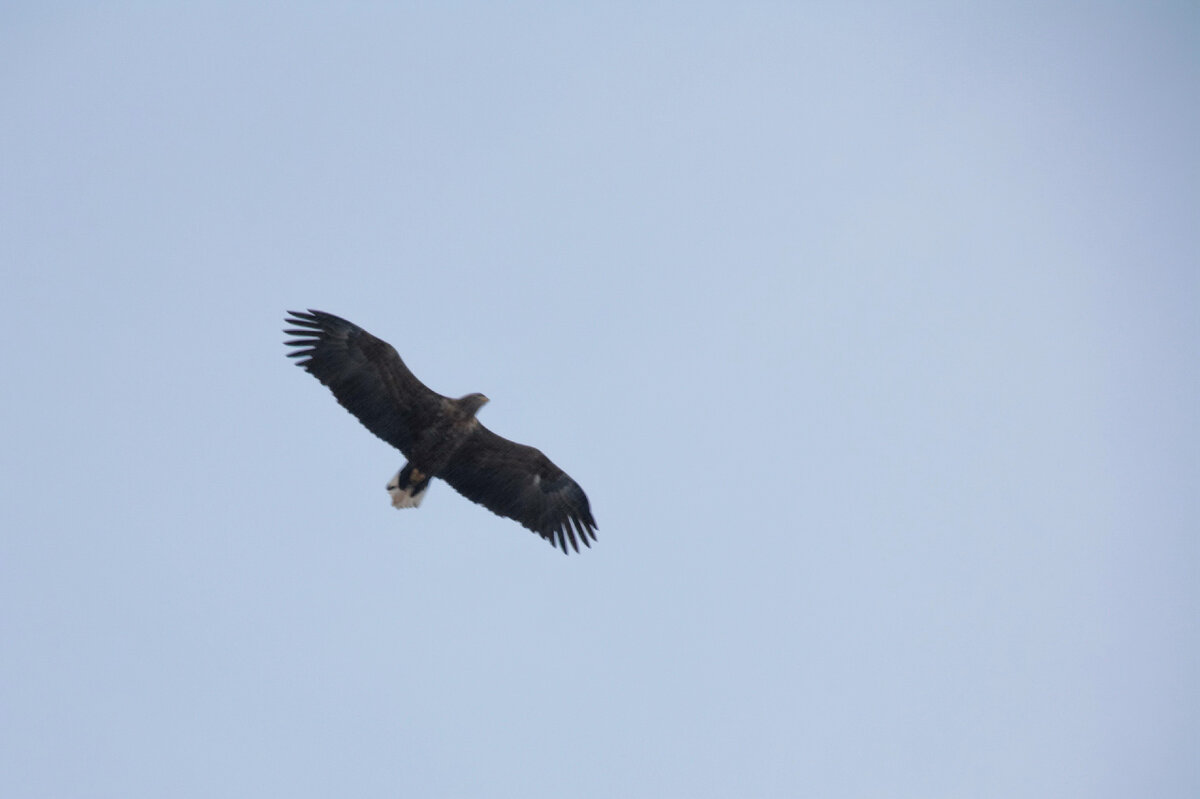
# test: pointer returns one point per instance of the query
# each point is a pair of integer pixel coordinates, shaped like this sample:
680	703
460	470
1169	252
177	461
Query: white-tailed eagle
440	436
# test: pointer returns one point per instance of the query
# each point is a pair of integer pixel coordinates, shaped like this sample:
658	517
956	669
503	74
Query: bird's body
434	448
439	435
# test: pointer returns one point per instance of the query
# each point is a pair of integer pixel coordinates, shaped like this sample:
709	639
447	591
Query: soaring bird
439	436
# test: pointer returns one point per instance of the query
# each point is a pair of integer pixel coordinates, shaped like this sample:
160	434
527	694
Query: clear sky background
871	331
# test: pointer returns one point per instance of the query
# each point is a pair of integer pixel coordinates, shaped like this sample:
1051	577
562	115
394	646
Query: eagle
439	436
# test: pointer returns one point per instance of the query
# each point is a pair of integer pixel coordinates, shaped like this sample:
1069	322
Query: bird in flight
439	436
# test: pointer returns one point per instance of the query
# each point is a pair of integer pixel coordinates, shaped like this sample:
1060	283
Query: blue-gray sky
870	330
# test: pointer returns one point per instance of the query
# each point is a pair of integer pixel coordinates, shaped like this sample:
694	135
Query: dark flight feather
521	483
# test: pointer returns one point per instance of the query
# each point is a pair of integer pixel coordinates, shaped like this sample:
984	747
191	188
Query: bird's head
471	403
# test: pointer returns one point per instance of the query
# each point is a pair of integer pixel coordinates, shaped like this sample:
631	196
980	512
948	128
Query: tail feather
407	487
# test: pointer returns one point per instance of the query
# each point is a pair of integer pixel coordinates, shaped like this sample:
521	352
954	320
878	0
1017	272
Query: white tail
404	497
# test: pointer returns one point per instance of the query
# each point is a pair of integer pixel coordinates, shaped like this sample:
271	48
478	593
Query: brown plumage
440	436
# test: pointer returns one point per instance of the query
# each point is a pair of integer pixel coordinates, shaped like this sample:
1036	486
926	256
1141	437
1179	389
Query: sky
870	330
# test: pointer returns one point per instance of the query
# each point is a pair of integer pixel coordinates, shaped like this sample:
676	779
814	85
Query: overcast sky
871	331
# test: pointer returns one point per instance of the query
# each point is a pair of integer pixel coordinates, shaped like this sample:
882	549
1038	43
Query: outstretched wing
366	376
521	483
